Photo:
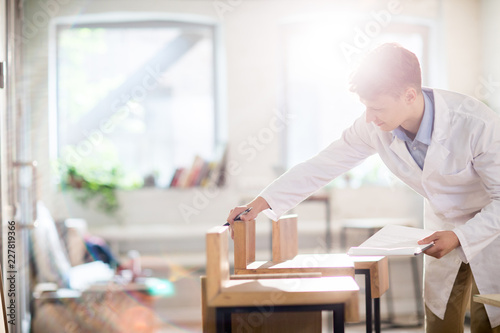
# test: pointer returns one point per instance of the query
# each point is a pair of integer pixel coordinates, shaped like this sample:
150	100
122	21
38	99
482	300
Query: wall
249	30
462	44
490	53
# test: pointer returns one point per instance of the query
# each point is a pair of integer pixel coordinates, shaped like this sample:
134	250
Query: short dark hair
388	69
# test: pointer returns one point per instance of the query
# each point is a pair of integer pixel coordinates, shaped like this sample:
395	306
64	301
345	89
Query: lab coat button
458	261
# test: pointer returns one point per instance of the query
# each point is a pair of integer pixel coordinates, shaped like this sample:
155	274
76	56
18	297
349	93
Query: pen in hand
238	217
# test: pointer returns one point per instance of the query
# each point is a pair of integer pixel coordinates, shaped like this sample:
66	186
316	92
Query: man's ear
410	95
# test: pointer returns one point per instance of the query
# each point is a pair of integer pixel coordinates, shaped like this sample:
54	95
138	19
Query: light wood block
207	312
303	291
217	261
244	243
379	272
326	264
284	236
490	299
275	276
298	322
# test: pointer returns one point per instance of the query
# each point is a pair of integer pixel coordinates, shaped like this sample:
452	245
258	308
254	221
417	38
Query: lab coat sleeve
305	178
484	227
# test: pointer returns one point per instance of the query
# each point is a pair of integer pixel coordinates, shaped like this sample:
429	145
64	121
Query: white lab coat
460	182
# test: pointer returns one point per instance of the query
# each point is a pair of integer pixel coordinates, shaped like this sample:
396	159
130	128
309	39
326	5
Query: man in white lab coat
444	145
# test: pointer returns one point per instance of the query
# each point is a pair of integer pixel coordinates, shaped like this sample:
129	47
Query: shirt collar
425	130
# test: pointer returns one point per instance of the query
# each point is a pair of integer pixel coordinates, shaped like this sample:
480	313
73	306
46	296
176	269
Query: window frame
124	19
427	28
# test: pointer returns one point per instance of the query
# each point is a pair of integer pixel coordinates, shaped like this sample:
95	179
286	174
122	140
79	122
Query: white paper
393	240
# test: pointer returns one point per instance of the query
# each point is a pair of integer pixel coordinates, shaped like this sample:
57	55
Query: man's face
386	111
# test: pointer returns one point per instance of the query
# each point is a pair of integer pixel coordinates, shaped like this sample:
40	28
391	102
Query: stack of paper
393	240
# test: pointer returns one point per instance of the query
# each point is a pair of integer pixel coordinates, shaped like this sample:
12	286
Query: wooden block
490	299
326	264
379	272
303	291
244	243
352	310
275	276
207	313
284	236
272	322
268	322
260	321
217	260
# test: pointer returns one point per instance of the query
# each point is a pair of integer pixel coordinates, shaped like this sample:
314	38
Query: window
316	67
141	94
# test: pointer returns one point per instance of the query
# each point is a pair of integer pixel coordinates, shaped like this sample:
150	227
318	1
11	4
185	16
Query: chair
72	295
260	296
286	259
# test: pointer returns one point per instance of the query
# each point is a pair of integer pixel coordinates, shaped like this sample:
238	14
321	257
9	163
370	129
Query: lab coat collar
399	147
441	116
437	152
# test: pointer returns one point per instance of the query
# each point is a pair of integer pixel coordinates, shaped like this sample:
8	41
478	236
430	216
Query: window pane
143	94
317	92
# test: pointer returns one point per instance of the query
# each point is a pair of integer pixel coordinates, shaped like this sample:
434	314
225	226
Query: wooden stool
286	260
375	269
228	296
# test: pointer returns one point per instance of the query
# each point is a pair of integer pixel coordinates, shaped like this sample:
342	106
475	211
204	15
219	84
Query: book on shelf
393	240
194	172
175	177
202	172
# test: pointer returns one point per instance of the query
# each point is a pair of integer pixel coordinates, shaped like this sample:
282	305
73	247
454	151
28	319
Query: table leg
338	318
376	305
223	320
418	290
368	299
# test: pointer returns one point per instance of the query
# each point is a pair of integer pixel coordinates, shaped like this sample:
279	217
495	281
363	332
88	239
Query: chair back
244	243
284	235
217	271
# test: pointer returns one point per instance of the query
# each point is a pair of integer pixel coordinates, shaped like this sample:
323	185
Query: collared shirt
418	147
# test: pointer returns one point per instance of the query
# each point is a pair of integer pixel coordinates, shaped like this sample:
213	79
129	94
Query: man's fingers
236	211
248	217
428	239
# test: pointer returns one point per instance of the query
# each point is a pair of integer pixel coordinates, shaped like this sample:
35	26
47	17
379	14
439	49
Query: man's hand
444	243
258	205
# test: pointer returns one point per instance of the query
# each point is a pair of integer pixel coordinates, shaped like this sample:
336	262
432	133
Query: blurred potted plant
96	179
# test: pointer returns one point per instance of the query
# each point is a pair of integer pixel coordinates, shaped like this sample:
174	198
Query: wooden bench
285	259
225	296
